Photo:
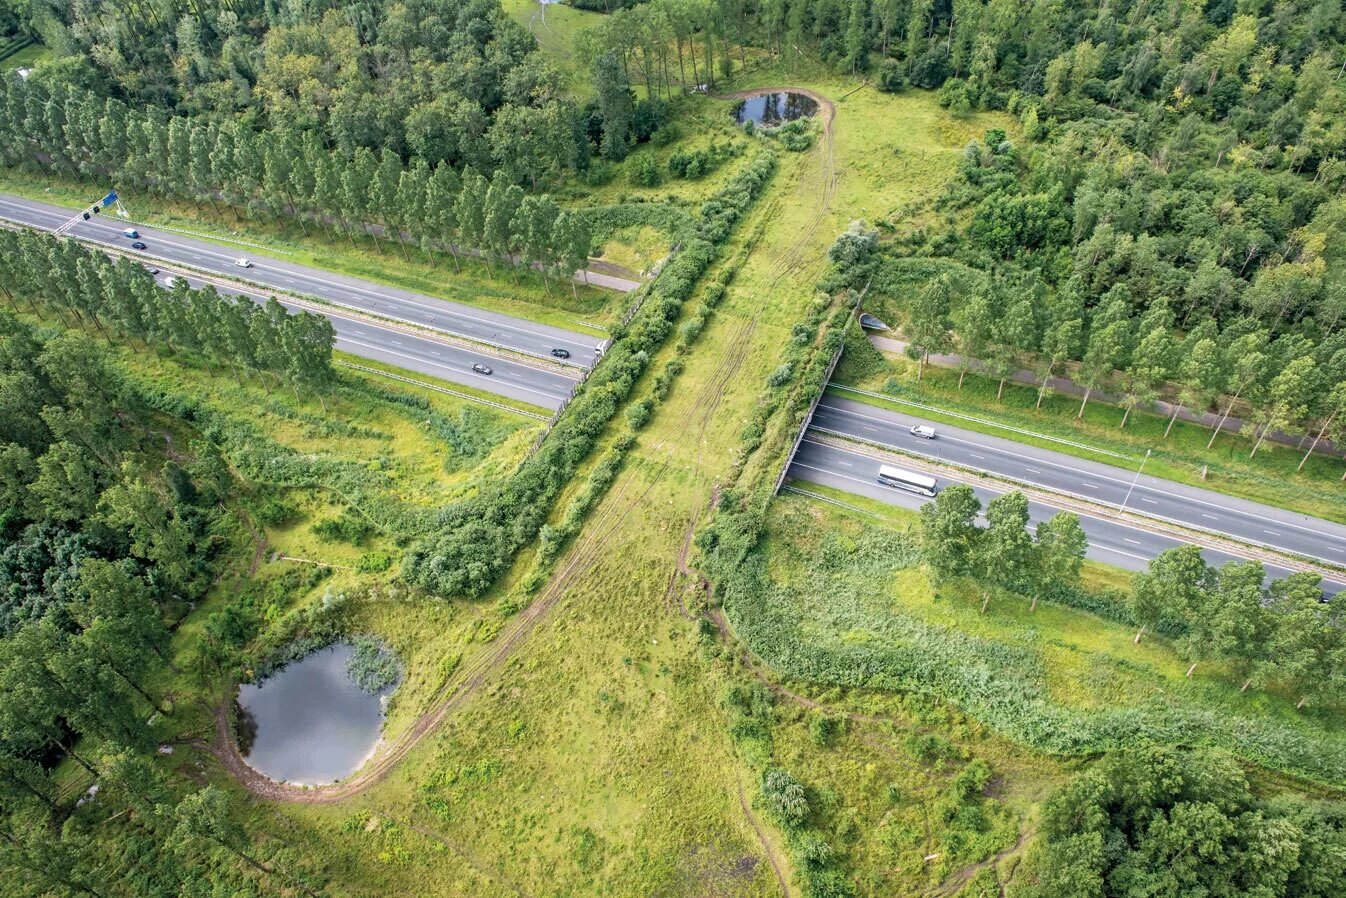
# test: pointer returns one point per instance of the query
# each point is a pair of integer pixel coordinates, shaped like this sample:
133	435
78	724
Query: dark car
152	271
139	244
482	369
561	353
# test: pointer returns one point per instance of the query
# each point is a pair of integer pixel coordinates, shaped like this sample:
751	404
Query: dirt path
778	863
469	680
585	555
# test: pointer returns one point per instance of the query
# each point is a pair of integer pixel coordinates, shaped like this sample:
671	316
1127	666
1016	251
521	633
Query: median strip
318	304
1084	505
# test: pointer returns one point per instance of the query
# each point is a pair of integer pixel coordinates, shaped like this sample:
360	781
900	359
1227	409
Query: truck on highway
908	480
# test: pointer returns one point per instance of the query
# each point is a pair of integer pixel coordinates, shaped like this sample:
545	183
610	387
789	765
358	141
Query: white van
924	431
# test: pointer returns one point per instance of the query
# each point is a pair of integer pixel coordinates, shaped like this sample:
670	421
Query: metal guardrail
438	389
813	406
984	421
1097	508
829	500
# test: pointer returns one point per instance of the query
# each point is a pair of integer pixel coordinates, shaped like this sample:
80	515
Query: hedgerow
475	540
1004	686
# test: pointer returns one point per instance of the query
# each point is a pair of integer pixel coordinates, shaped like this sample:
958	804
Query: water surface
769	110
309	722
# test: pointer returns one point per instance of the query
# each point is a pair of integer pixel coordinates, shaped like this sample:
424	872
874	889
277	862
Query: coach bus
906	480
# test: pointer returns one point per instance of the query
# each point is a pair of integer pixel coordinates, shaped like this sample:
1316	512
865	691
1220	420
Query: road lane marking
447	306
1198	500
424	361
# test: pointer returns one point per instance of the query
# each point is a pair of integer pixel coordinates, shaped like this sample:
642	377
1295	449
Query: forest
1157	215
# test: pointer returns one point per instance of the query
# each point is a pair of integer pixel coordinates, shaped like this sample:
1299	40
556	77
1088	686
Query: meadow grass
848	599
555	27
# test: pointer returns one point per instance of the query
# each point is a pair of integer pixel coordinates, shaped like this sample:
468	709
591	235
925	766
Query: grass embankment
554	27
846	603
610	674
328	497
1270	477
330	250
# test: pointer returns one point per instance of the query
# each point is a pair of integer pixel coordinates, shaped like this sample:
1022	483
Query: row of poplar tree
290	173
87	289
1009	321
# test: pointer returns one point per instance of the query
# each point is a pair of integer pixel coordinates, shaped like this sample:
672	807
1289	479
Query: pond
769	110
310	722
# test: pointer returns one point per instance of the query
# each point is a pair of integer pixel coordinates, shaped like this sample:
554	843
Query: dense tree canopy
1167	822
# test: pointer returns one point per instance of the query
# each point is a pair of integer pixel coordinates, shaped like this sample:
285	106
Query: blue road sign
110	198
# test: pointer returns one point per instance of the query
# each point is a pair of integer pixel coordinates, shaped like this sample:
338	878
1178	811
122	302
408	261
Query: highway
1110	542
1192	506
517	334
536	385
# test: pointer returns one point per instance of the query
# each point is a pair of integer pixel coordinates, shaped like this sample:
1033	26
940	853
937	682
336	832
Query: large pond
769	110
310	722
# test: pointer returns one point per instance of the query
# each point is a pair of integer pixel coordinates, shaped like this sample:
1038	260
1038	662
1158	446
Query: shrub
781	376
349	527
784	798
891	77
639	414
645	172
371	666
273	512
824	729
373	562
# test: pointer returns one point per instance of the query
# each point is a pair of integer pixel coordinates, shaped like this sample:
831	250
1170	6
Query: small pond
769	110
310	722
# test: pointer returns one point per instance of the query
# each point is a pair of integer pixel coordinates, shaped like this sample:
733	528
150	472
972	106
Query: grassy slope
325	249
555	27
1076	663
1270	477
611	676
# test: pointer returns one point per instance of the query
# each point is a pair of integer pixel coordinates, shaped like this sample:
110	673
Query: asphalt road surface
1192	506
544	387
518	334
1111	542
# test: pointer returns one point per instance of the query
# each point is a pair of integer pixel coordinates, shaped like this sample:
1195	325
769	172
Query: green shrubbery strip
477	539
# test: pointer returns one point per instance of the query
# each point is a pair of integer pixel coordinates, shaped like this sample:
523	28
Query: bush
371	666
824	729
272	512
638	415
373	562
785	798
349	527
645	172
891	77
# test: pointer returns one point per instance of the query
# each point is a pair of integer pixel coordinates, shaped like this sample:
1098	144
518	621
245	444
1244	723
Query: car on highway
561	353
170	282
924	431
131	233
242	263
139	244
152	270
482	369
